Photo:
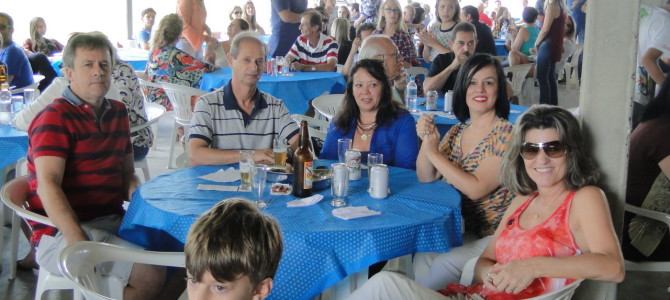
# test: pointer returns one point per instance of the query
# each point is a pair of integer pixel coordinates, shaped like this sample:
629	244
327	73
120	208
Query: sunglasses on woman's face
553	149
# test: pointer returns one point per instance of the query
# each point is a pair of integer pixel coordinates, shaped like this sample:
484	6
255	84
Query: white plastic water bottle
410	95
5	105
203	49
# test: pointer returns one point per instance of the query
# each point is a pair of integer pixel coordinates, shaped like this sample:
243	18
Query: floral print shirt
169	64
131	95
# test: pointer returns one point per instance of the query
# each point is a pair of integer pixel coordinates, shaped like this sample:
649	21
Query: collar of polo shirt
230	102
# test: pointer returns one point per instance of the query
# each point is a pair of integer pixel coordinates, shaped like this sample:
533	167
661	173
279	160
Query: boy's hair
232	240
147	11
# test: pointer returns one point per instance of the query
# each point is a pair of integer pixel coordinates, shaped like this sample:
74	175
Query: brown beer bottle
302	164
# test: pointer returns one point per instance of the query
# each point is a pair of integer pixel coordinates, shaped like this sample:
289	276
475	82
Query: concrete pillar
129	18
605	102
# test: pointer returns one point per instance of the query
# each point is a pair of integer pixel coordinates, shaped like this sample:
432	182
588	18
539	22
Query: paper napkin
354	212
229	175
218	187
311	200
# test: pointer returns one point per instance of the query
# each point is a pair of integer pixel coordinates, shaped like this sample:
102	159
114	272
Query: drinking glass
375	159
5	111
342	146
28	96
259	176
279	150
279	60
339	185
246	163
17	105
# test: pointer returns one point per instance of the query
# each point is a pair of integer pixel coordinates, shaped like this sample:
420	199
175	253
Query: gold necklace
365	129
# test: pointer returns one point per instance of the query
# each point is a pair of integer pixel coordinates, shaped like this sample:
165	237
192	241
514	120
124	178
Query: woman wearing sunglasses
469	158
556	230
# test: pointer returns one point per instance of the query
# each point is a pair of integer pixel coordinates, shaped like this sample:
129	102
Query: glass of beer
279	149
246	163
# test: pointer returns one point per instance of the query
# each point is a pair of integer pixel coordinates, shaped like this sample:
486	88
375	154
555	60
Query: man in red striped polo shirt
313	50
80	162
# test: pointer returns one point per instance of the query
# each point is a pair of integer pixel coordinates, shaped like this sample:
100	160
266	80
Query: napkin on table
228	175
311	200
218	187
354	212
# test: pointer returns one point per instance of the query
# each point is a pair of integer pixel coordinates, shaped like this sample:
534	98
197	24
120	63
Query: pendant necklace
366	129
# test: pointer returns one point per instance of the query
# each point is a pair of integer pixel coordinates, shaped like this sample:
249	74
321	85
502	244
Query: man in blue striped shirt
238	116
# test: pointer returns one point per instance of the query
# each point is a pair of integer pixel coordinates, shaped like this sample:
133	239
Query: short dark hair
349	111
463	27
87	40
10	21
147	11
471	11
357	7
231	240
315	18
418	15
581	169
463	79
365	27
529	14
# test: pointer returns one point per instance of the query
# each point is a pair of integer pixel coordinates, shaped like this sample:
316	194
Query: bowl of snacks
280	174
321	178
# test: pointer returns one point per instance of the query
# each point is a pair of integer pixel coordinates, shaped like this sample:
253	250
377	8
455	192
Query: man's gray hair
87	40
373	46
245	36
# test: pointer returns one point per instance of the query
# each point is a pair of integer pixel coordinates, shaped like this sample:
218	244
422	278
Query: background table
319	249
295	90
444	123
13	145
136	58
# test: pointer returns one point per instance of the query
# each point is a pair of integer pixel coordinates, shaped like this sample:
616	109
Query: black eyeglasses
553	149
237	13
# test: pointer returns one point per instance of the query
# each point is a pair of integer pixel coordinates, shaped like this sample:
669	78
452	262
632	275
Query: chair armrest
651	214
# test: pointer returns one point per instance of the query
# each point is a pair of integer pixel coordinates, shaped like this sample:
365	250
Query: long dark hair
463	79
660	105
387	110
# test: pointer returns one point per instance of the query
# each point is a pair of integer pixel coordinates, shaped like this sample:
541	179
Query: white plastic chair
564	293
78	262
519	73
144	85
316	128
180	98
649	266
154	112
31	86
13	197
571	68
327	105
415	71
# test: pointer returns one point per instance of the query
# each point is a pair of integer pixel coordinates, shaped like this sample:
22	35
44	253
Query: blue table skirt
319	249
501	50
13	145
295	90
444	123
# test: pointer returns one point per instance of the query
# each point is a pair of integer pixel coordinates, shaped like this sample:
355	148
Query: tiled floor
638	285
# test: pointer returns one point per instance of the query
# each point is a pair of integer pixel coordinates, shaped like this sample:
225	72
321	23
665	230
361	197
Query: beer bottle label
307	182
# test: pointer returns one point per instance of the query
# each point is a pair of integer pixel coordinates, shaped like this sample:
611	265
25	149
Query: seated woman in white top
217	54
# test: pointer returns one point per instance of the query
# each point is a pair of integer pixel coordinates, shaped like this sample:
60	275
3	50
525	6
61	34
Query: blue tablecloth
136	58
319	249
444	123
13	145
295	90
501	50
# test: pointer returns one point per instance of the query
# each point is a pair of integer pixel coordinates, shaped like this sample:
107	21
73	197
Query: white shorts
102	229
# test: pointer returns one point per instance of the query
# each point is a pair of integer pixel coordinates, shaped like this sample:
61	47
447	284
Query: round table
296	89
319	249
